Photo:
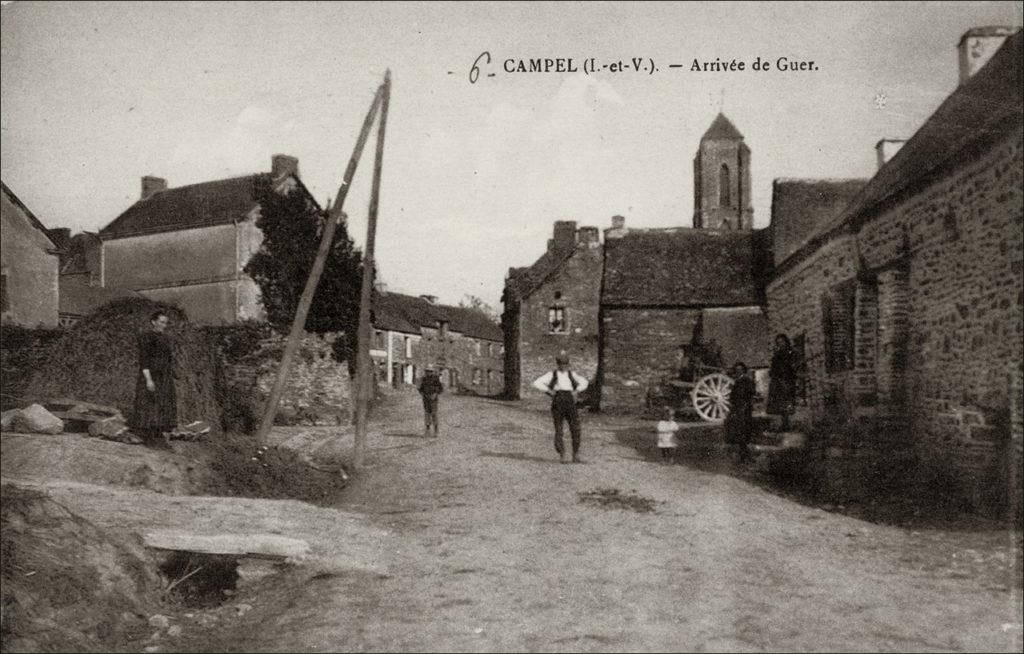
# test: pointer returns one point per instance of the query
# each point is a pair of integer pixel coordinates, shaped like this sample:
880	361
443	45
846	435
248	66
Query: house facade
623	309
908	300
411	333
29	262
189	245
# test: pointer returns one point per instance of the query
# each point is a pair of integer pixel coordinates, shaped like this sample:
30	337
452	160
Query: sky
96	95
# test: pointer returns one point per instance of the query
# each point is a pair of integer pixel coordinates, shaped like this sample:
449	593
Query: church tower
721	179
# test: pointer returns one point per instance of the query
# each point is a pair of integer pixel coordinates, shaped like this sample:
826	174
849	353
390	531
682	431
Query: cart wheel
711	397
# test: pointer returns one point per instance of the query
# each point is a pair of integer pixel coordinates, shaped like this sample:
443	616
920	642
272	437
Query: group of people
155	407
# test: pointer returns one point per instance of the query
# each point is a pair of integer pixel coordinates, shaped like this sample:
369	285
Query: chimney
617	229
977	46
565	235
152	185
589	236
887	148
282	164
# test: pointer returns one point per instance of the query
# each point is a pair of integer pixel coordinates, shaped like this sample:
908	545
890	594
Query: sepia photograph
511	326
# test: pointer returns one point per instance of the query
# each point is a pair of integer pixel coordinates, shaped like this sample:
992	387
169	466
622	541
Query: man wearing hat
430	388
564	386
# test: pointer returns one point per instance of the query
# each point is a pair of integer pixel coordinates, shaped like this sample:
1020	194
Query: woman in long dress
782	384
156	402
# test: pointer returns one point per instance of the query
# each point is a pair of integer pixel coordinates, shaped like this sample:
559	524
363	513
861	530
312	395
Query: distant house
29	261
189	245
908	300
81	279
411	333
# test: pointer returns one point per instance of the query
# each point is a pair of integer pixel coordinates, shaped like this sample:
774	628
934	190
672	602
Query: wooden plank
363	368
299	322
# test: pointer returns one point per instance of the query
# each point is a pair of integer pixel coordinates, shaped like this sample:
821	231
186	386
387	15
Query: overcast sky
95	95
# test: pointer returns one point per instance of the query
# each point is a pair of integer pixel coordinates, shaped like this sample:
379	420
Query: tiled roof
195	205
799	206
685	267
722	129
986	105
408	313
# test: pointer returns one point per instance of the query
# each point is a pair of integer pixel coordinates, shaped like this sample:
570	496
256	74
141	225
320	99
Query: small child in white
666	429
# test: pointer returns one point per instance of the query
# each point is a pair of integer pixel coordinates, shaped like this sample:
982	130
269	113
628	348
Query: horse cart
706	398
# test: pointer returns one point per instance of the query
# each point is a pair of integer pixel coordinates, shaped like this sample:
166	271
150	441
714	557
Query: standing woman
156	403
782	384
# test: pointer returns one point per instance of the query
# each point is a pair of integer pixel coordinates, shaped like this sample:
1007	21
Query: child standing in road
667	442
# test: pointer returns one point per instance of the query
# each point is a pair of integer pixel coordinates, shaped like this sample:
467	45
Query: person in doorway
739	422
782	381
564	387
666	430
430	389
156	401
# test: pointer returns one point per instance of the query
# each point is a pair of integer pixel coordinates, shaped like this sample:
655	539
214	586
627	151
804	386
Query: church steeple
721	179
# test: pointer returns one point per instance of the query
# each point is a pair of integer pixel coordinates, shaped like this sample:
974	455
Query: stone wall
319	389
578	285
639	350
940	318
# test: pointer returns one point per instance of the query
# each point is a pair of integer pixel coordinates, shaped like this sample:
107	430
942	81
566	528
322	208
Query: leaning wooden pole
365	385
299	322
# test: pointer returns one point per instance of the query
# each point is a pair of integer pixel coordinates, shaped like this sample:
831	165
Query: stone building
623	309
29	261
411	333
664	287
189	245
552	306
908	301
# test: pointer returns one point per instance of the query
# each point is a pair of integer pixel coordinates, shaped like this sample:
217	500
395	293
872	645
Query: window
442	329
476	345
490	349
556	320
837	325
476	376
378	340
5	303
724	190
558	295
408	347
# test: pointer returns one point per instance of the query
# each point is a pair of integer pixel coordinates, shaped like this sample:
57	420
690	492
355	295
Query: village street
491	549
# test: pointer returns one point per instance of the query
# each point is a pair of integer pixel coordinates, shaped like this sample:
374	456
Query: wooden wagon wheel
711	396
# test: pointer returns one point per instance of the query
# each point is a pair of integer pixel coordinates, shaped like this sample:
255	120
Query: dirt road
493	546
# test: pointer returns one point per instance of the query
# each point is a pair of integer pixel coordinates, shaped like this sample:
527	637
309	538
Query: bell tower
721	179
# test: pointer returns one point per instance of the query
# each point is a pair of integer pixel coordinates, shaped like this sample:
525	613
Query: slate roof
800	206
522	282
28	212
685	267
986	105
408	313
722	129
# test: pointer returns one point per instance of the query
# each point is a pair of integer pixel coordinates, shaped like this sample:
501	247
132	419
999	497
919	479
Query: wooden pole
365	385
299	322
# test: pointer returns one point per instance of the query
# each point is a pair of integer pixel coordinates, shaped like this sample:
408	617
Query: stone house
554	306
623	309
411	333
664	287
81	279
908	301
189	245
29	261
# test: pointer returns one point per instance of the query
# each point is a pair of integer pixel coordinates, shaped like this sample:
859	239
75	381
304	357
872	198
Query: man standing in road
430	388
564	386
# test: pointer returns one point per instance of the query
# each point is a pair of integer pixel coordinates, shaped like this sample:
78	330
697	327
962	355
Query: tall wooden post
299	322
365	382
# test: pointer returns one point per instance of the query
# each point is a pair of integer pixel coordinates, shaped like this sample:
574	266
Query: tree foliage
292	226
476	304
